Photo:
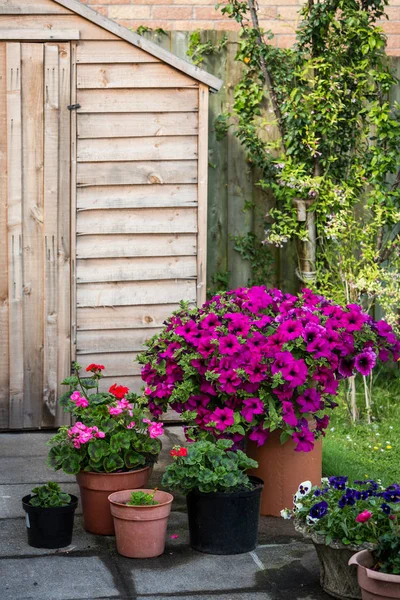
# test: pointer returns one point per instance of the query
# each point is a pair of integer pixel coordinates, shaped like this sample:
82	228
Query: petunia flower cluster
352	514
254	359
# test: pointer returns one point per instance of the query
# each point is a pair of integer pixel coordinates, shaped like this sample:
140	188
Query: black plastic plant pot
225	523
49	527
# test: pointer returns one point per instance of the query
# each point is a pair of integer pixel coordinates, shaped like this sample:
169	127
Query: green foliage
387	553
142	499
209	467
339	143
259	256
143	29
197	50
49	496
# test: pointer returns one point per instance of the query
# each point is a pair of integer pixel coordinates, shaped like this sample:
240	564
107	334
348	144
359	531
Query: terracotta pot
95	489
282	470
140	531
374	585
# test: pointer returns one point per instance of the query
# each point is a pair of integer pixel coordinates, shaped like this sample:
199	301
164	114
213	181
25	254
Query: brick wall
187	15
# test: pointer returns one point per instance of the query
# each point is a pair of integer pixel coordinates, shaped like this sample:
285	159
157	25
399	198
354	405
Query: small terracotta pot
95	489
140	531
282	469
374	585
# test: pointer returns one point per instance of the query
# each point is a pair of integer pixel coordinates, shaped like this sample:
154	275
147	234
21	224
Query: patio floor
283	567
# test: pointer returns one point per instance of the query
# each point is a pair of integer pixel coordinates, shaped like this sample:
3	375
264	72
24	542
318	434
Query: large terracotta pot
374	585
95	489
282	469
140	531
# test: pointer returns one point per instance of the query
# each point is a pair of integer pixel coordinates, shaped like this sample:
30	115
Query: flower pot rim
259	484
357	560
73	504
114	472
320	540
124	505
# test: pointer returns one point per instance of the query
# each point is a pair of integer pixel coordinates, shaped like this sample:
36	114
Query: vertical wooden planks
202	196
32	193
73	184
50	221
14	226
4	352
63	234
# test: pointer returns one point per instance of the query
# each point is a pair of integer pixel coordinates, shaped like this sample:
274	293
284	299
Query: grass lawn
367	451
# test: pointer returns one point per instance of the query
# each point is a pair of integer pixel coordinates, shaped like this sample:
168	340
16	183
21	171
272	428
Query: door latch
73	106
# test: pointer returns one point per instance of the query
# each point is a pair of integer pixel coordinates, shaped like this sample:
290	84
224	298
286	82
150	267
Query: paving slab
56	578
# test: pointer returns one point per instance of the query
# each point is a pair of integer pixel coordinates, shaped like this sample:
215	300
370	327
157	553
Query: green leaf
98	449
71	464
112	463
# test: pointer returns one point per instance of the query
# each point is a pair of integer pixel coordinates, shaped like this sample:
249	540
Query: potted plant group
259	364
49	516
140	520
223	502
379	571
111	446
342	519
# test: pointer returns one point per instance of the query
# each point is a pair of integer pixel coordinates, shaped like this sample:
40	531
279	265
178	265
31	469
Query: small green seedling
49	496
142	499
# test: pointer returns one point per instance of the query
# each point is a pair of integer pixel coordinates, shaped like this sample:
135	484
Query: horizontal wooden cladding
134	75
122	317
119	246
111	52
128	173
32	7
142	220
108	340
148	148
135	293
88	30
139	100
98	270
121	125
137	196
40	34
120	364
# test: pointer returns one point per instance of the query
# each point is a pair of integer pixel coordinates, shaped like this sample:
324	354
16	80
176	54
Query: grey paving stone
11	496
218	596
181	570
22	444
14	542
56	578
30	469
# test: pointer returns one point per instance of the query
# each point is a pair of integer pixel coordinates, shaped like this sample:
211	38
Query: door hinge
73	106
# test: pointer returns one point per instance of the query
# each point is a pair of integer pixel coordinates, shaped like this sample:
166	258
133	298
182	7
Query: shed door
37	95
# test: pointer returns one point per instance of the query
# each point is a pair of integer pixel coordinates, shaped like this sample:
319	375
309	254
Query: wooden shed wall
136	249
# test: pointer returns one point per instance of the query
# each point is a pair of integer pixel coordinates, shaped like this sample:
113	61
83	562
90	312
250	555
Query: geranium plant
112	430
350	514
49	495
254	360
387	553
142	498
208	467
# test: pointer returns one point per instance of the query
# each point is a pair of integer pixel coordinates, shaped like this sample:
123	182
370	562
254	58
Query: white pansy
286	514
310	520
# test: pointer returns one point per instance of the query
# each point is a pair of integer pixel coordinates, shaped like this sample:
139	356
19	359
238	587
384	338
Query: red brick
192	25
129	11
227	25
285	41
208	12
393	42
172	12
289	13
103	10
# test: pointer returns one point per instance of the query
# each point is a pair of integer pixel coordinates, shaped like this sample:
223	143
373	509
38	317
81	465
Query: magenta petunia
295	373
251	407
259	435
288	414
365	362
310	401
346	366
229	344
223	417
290	329
304	440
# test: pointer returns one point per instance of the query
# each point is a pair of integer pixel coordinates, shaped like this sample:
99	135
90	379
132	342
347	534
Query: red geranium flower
118	391
95	368
178	452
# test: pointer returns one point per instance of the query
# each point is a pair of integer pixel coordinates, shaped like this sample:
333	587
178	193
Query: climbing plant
319	126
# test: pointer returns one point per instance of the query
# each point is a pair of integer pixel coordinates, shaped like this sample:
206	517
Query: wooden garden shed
103	198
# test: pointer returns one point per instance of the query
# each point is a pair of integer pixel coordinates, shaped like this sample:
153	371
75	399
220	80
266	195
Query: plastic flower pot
95	489
374	585
281	469
140	531
49	527
224	522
